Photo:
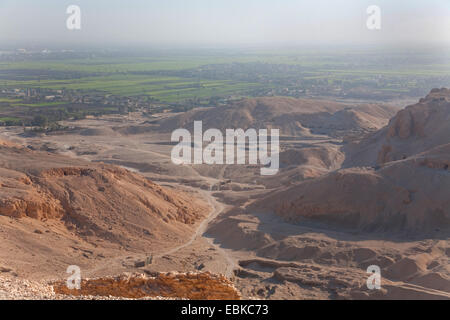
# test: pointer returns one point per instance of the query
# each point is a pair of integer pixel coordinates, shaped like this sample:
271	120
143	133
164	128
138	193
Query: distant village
42	95
43	108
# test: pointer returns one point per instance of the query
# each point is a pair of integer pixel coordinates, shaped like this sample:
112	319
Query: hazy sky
224	22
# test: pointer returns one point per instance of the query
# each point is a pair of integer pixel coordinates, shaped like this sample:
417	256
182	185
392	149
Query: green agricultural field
163	89
9	100
41	104
166	89
10	121
127	64
4	119
176	78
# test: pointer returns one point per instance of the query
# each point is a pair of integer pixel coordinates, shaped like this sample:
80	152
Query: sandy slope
346	219
59	211
294	117
415	129
404	194
403	200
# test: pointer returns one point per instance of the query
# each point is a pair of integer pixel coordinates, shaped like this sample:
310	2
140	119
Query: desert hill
405	196
51	203
326	157
294	117
323	232
324	263
415	129
408	193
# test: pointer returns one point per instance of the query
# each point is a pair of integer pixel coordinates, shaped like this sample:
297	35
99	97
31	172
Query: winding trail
217	208
116	144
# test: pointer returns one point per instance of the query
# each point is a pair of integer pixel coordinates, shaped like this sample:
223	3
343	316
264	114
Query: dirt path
217	208
123	145
230	261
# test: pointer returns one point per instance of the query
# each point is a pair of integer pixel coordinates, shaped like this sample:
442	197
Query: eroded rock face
294	117
56	192
407	196
195	286
403	193
415	120
387	200
19	197
44	208
414	123
103	187
92	199
415	129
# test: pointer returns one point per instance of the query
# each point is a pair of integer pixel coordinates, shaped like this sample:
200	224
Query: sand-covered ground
268	250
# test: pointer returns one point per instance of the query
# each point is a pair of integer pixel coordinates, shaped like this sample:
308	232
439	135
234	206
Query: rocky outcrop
364	199
196	286
406	192
415	129
19	197
294	117
92	200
